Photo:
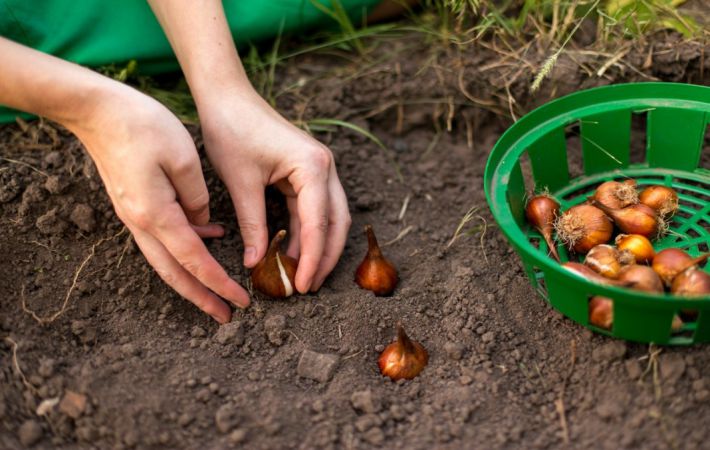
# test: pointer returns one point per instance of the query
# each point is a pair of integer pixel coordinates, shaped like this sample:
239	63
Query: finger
338	227
179	279
312	206
181	241
211	230
185	174
250	205
294	228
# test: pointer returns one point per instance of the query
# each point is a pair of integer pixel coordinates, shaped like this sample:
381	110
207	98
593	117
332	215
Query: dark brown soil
505	370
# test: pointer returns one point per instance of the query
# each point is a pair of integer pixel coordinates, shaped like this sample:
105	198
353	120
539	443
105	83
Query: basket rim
563	111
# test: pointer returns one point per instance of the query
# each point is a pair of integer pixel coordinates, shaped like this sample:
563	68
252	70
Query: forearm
200	36
41	84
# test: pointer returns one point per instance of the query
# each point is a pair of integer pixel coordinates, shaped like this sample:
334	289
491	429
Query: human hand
252	146
153	175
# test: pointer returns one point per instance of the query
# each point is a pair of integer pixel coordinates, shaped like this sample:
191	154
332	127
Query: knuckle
198	202
321	158
184	163
320	223
250	227
140	216
194	267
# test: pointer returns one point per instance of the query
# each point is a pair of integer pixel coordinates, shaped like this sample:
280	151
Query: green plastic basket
532	155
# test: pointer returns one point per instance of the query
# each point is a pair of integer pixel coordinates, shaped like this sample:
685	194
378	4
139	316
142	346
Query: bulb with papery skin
615	194
662	199
589	274
582	227
607	260
601	312
638	245
275	274
692	282
375	273
541	212
641	278
635	219
670	262
404	358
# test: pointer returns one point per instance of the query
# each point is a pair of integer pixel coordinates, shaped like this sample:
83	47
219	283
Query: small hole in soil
575	162
638	138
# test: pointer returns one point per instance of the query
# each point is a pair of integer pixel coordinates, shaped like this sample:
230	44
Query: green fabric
99	32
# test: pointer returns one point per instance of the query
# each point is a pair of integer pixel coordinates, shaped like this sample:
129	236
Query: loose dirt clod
30	433
317	366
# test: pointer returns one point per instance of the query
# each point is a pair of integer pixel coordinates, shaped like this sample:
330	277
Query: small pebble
317	366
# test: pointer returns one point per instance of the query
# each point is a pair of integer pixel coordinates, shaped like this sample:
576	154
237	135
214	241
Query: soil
135	366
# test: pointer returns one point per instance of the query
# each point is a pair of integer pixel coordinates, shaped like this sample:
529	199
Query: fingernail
249	256
306	289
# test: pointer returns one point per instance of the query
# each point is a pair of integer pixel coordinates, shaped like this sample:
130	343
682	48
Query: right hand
152	173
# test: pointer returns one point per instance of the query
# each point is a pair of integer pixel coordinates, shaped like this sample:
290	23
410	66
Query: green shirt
99	32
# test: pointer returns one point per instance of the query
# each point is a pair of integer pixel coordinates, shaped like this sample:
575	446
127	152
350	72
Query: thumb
249	203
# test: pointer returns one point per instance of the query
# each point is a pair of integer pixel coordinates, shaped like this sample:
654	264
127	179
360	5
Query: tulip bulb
617	195
375	273
601	312
404	358
662	199
587	273
638	245
635	219
274	275
607	260
641	278
671	262
692	282
582	227
542	211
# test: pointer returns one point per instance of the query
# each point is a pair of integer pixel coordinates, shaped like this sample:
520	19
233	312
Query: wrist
88	105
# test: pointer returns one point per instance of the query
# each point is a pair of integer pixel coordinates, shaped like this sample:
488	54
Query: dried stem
49	319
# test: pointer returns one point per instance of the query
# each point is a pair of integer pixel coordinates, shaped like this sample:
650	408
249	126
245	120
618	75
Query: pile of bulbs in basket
275	276
631	262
